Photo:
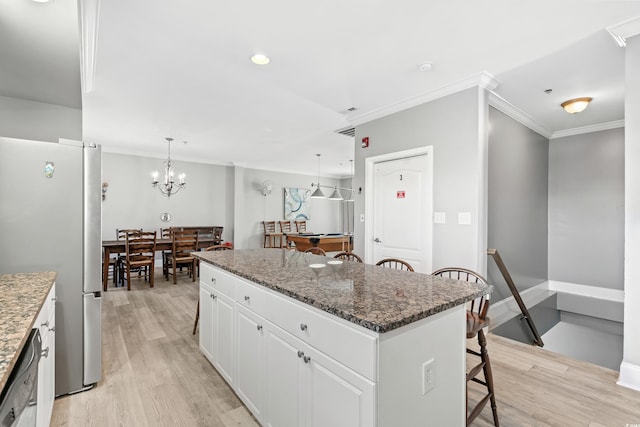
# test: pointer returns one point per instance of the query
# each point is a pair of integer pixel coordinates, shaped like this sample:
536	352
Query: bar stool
477	320
270	235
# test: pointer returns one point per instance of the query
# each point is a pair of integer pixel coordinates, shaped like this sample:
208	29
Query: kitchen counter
377	298
21	298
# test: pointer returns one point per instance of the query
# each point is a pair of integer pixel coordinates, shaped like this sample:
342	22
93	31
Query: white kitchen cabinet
217	330
46	322
305	387
294	365
250	348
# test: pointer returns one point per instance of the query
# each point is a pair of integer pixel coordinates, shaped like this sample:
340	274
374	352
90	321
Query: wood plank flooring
155	375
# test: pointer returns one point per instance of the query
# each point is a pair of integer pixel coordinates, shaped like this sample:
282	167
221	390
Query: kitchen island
309	340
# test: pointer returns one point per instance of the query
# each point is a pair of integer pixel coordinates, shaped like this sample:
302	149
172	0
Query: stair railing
516	295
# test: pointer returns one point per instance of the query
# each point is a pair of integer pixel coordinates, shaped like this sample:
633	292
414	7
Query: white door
402	211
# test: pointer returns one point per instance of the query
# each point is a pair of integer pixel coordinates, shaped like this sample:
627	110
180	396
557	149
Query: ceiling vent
351	131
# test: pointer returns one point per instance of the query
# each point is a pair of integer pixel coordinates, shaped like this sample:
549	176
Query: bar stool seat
477	320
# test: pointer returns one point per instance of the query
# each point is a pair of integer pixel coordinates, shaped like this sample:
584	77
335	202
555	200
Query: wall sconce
576	105
104	190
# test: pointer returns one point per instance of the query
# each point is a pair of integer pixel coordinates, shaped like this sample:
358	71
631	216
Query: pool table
331	242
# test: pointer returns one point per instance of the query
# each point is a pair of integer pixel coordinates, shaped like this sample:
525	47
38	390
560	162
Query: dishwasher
18	400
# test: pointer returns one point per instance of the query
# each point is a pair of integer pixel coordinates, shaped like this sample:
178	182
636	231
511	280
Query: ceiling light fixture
576	105
425	66
260	59
169	187
335	194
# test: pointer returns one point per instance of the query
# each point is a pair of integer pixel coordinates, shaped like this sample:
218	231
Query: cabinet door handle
213	296
246	297
303	326
45	352
306	359
45	324
53	299
52	329
213	280
300	353
259	327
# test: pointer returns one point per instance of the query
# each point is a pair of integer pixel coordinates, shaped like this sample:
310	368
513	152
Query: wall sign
400	194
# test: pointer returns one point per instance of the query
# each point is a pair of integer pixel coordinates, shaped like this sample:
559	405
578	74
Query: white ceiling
183	71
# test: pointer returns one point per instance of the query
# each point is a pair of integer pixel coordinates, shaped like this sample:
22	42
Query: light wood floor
155	375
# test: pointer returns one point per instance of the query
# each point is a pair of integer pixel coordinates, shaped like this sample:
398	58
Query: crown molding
89	18
501	104
624	30
588	129
484	80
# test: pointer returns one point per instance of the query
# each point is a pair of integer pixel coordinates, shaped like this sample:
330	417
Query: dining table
118	246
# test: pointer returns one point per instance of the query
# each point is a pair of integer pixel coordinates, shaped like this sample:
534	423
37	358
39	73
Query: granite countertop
377	298
21	298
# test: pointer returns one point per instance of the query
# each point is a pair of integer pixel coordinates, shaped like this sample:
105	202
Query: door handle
377	240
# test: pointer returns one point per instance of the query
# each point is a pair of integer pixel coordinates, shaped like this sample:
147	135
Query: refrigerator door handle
92	345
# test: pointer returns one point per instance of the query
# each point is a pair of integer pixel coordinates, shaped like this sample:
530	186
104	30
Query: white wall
630	367
325	214
131	201
24	119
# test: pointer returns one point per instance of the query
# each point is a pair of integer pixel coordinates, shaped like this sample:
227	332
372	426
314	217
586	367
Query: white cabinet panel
250	380
46	322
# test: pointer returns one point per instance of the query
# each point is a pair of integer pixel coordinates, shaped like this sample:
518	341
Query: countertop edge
381	327
23	341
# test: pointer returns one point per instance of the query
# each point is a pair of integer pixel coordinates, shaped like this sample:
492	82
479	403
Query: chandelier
168	187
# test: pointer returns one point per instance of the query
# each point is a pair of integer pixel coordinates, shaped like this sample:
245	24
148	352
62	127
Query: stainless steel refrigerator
50	220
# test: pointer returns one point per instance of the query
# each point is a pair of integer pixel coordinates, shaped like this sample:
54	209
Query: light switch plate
439	217
464	218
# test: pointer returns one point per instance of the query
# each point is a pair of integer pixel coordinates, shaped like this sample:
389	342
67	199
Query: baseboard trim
629	376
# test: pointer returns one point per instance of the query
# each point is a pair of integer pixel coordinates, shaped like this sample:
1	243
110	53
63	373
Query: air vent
347	132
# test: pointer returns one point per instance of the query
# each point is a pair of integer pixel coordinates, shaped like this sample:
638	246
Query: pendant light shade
318	194
335	195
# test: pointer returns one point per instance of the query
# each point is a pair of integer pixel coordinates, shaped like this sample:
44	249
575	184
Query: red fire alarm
365	142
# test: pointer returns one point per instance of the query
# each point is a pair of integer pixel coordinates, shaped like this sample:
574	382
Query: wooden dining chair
398	264
121	234
477	321
183	244
317	251
225	247
349	256
270	235
140	251
301	226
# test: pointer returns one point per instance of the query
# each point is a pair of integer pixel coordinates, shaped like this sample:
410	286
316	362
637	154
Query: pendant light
318	194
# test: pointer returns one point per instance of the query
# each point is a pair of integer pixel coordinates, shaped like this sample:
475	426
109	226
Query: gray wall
451	125
131	201
586	209
24	119
325	214
518	182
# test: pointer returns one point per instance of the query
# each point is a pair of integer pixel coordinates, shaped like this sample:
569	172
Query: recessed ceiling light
42	1
425	66
260	59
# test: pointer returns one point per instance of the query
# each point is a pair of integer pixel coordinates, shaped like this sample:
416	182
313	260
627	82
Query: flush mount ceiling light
425	66
260	59
576	105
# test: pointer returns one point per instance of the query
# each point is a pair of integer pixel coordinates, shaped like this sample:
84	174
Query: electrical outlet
428	376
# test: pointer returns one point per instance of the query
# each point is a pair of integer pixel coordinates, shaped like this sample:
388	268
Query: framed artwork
296	203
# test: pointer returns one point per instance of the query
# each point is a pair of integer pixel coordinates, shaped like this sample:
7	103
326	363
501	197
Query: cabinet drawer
217	279
346	343
250	296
